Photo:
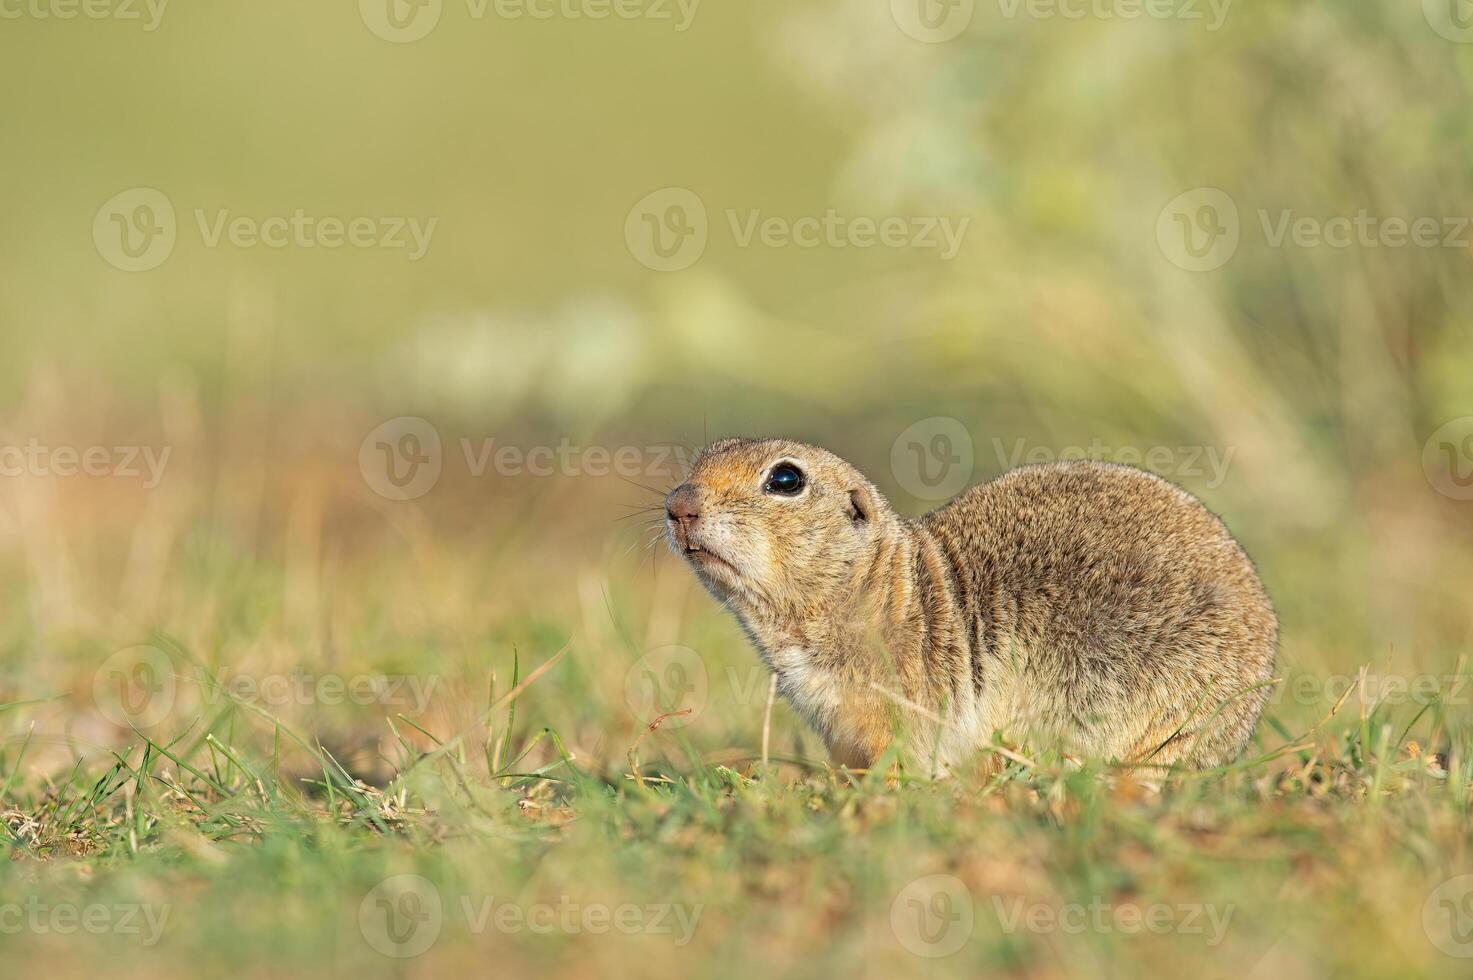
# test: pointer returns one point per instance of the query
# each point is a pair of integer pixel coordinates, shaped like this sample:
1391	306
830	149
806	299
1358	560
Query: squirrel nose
683	504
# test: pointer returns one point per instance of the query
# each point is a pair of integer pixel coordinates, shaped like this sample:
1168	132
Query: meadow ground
415	741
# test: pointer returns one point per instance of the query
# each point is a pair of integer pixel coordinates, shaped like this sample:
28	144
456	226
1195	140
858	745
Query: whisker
637	513
648	545
642	486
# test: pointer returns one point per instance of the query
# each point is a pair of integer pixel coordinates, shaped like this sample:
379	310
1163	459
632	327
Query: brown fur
1085	607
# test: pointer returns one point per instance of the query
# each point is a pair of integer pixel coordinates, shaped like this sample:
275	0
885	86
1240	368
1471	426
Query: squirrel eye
785	479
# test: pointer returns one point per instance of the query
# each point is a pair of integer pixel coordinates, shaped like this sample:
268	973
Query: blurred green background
1118	185
1065	316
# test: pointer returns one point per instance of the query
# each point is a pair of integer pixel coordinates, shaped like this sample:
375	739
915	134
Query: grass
489	730
245	846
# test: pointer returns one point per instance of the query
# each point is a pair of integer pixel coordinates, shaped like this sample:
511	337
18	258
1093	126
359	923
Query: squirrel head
772	524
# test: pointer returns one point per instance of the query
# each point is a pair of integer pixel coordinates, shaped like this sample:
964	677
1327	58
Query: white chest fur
813	691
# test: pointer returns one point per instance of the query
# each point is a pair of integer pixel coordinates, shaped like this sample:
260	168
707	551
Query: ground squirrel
1088	608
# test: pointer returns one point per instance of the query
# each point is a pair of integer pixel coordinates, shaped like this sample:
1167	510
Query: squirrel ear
861	507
